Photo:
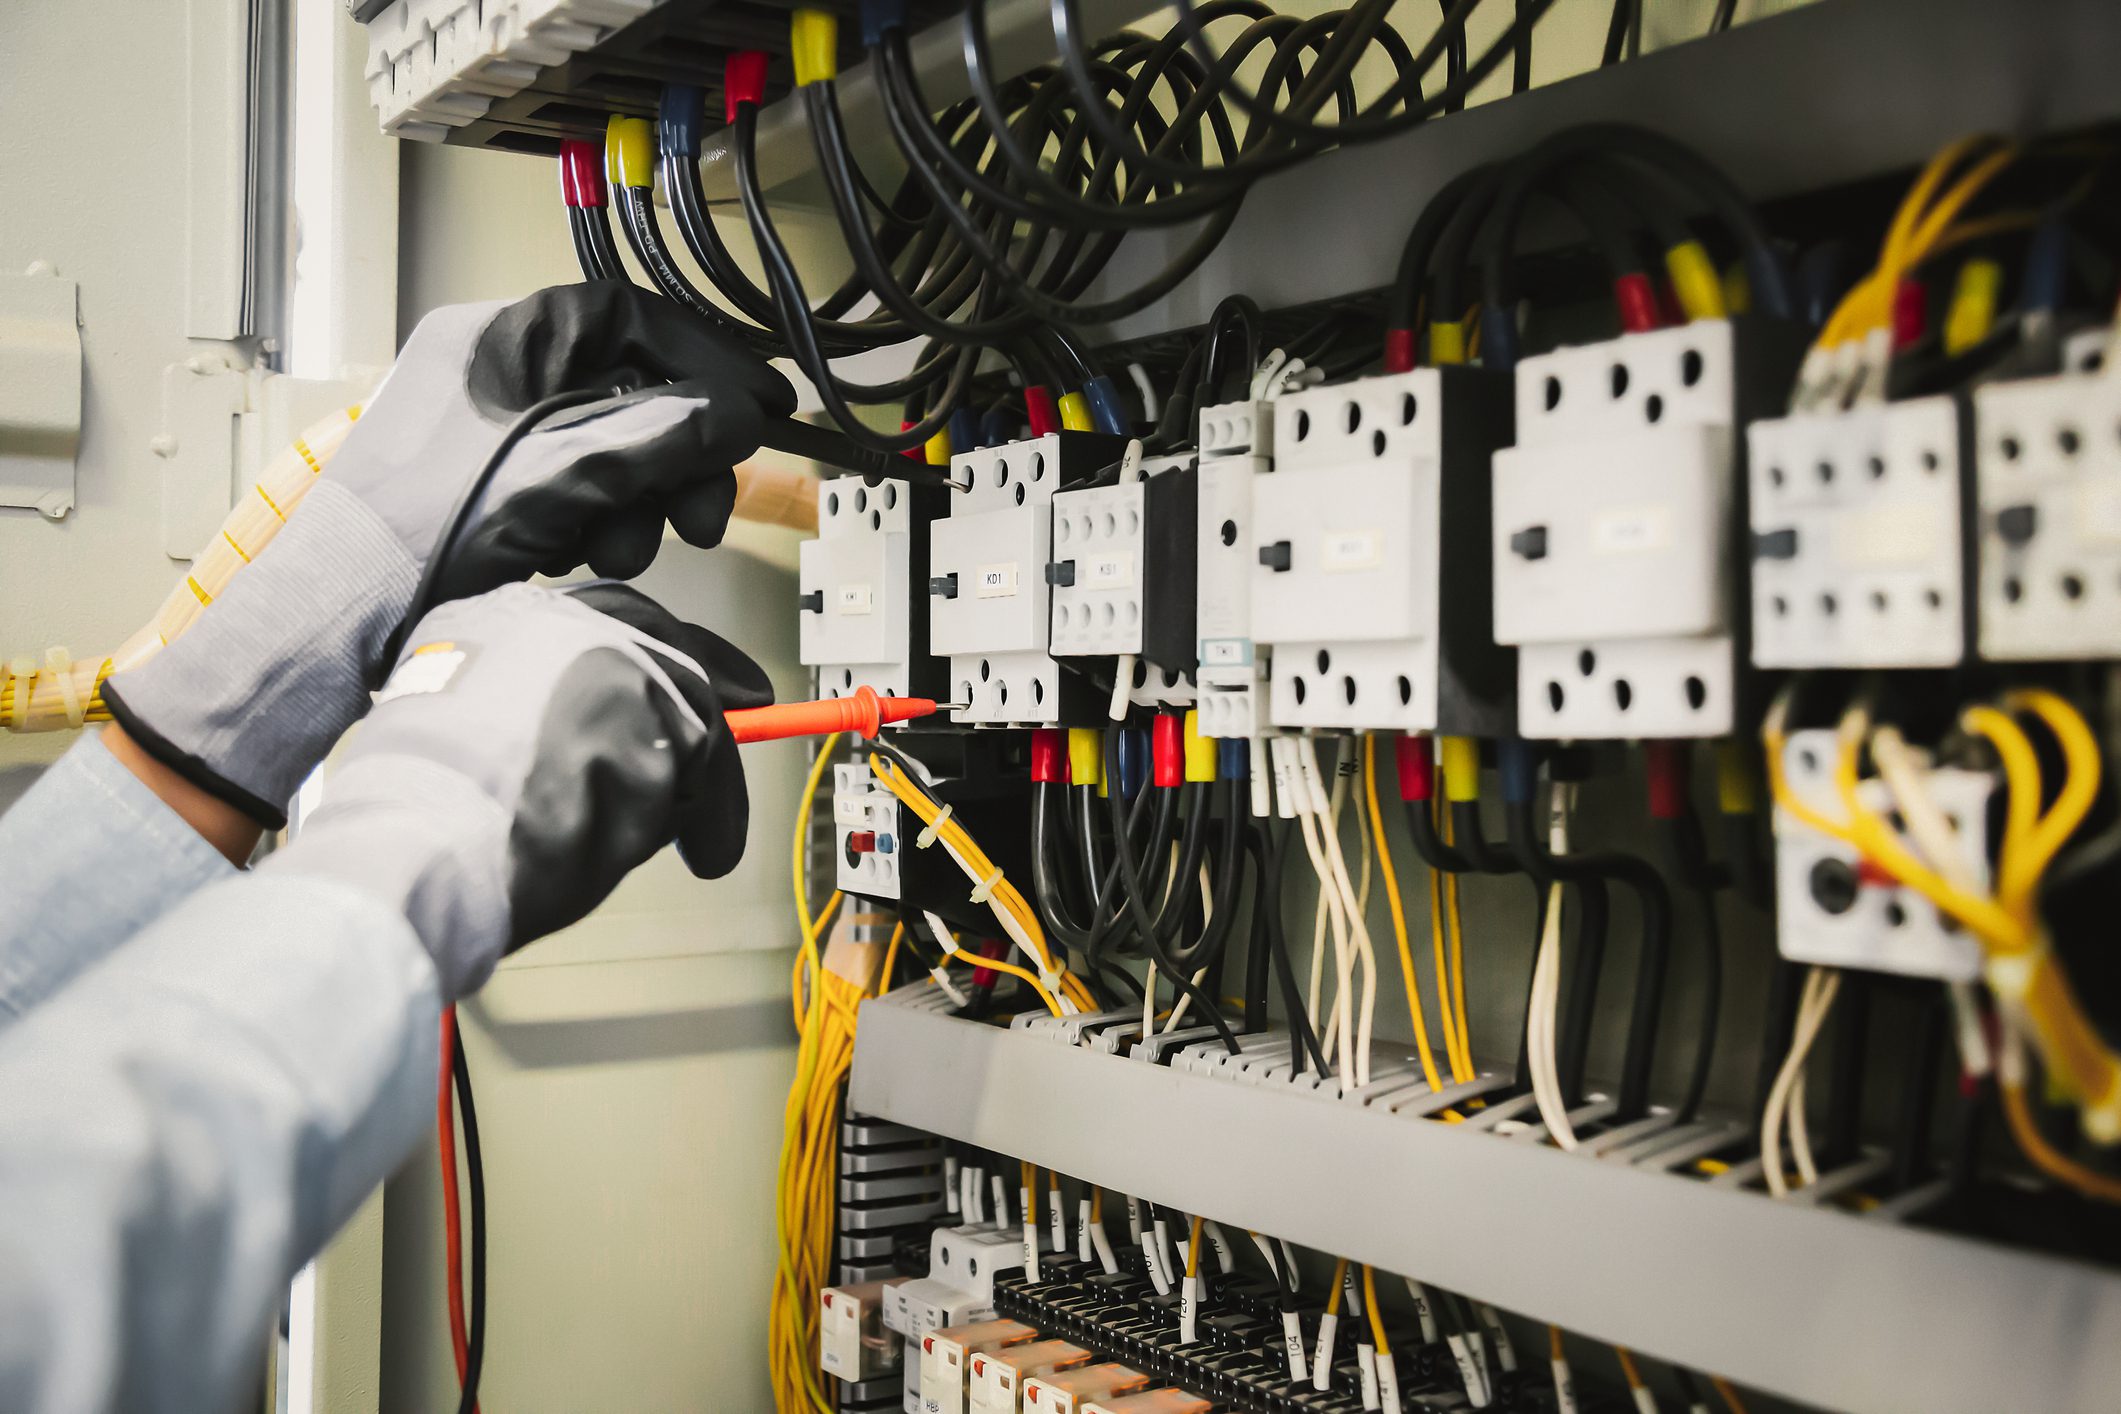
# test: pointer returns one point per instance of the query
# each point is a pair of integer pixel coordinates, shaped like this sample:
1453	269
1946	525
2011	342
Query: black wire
475	1205
1684	835
1616	34
1292	996
1726	11
637	215
1572	1051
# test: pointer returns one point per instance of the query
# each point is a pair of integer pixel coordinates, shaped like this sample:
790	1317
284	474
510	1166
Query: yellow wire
2092	1184
2080	787
1445	1018
1340	1281
1627	1366
1377	1318
1193	1248
1455	927
1399	917
883	976
1731	1401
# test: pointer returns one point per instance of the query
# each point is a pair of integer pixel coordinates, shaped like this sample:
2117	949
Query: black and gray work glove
249	700
532	746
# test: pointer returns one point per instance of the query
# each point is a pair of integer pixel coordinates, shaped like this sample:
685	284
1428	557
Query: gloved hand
250	699
532	746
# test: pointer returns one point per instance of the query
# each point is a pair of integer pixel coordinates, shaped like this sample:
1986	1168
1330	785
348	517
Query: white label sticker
994	581
1322	1357
1108	571
1057	1215
429	669
1631	530
1366	1373
1344	551
1189	1310
1388	1383
1083	1252
1225	652
1292	1335
854	599
1564	1388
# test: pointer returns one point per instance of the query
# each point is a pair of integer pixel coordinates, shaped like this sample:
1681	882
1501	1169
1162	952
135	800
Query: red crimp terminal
1167	749
1637	299
1417	767
1049	755
986	976
1669	310
917	451
744	81
1911	314
582	172
1040	408
1873	875
1399	350
1668	773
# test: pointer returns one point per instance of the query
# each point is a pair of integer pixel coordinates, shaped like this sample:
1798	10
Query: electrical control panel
1859	538
1832	910
990	605
1236	445
860	621
1377	499
1614	520
2049	478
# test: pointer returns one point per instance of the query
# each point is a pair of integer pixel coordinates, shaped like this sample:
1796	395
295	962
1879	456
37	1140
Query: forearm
187	1124
88	857
232	833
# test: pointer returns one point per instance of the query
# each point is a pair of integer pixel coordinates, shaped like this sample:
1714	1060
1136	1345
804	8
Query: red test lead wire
864	712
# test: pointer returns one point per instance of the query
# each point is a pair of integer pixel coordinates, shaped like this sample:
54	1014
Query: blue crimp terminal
965	431
1133	761
1519	764
678	118
1233	759
1108	412
879	18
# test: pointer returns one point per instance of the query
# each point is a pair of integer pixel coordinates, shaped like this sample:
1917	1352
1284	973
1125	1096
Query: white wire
1820	986
1152	406
1340	1027
1546	995
1185	999
1904	772
1359	929
1263	378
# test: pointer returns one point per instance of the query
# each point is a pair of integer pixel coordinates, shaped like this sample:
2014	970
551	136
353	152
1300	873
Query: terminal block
990	605
1614	527
1236	445
861	621
2048	473
1860	538
1833	910
1378	498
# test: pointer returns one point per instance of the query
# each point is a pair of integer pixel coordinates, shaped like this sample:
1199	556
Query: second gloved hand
597	412
532	747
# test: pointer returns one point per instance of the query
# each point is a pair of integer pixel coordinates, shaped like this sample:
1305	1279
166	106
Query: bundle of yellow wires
1926	225
826	1003
991	886
2034	996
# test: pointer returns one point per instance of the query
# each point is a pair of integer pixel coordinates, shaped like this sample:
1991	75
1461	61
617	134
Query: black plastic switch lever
1276	556
1775	544
2018	524
1061	574
944	585
1530	543
811	603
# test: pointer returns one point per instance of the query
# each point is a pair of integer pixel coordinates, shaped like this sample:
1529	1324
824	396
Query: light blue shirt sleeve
88	857
189	1121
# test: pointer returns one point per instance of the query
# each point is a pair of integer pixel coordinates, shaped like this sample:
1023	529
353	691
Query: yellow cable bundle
59	692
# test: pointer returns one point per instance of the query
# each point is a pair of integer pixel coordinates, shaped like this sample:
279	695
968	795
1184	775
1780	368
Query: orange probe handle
864	712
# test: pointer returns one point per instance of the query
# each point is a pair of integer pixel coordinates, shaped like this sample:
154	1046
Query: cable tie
61	664
927	836
984	889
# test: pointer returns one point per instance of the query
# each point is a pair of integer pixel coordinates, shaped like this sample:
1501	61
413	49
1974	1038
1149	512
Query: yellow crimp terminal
629	152
1075	412
1973	309
1737	288
936	452
1737	782
1086	756
814	45
1447	342
1200	751
1695	281
1461	768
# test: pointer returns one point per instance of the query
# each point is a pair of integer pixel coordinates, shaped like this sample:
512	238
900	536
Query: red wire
452	1233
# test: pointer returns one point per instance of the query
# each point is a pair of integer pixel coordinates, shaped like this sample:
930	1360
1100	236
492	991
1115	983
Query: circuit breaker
1377	499
1614	520
1236	444
1859	538
1832	911
2049	477
868	834
1123	579
861	623
990	605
